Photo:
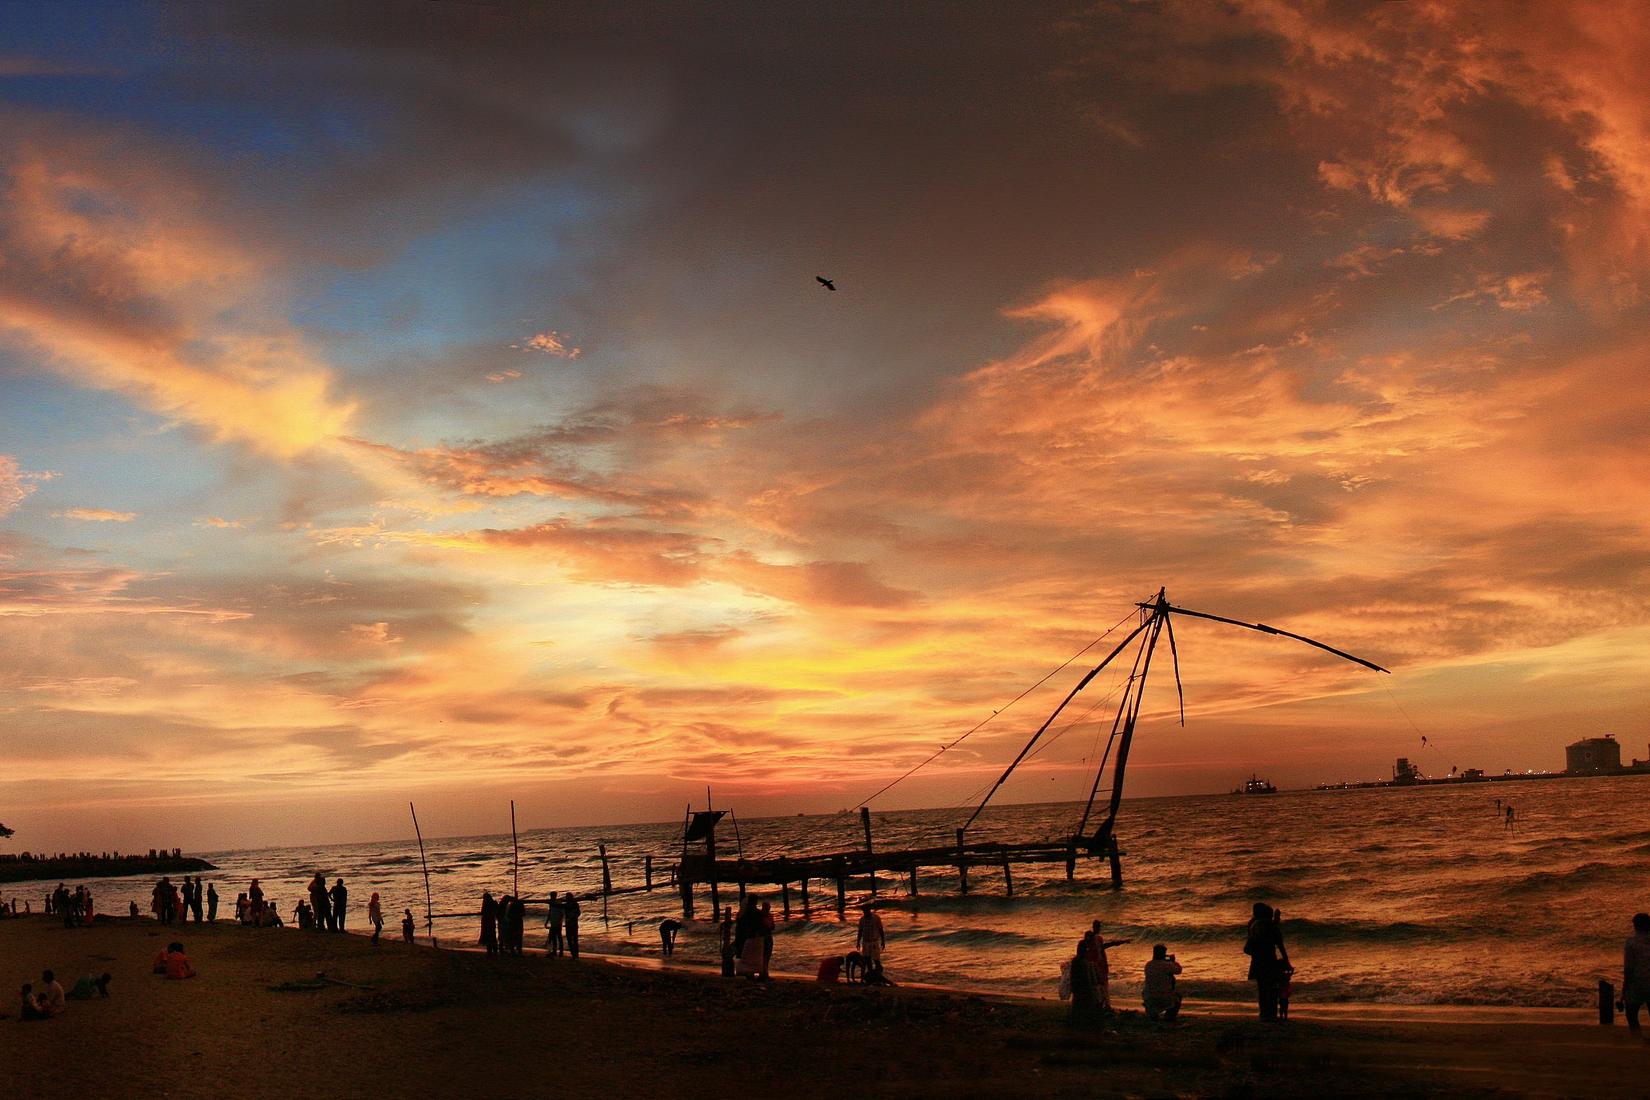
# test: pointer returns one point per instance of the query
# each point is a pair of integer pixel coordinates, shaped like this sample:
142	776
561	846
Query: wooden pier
901	868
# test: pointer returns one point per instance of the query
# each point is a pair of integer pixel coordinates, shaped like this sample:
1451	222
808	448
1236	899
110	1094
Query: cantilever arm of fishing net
1264	629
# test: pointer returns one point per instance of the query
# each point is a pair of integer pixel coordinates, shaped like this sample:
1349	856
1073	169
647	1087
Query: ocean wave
987	937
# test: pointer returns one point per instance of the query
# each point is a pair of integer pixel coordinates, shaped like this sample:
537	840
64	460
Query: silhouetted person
570	914
30	1008
1102	965
1635	971
667	935
375	917
211	902
1510	815
504	925
188	889
1159	996
407	926
52	998
340	902
255	900
518	925
195	902
489	922
1267	958
870	940
318	901
727	942
1085	1006
553	921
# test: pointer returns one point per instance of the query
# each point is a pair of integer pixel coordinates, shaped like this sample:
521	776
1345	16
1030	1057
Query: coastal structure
1592	756
1588	757
1155	622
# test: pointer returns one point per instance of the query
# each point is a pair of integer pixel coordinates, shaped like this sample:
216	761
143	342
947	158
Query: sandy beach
414	1021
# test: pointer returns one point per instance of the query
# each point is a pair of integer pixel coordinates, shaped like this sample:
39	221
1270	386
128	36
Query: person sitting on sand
159	965
30	1008
407	926
1635	971
178	966
1159	996
51	996
88	987
830	970
667	936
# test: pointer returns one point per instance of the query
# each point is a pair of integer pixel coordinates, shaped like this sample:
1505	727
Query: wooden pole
429	907
647	873
962	863
1116	858
785	898
807	909
841	887
1071	863
515	854
1008	875
913	878
865	820
607	880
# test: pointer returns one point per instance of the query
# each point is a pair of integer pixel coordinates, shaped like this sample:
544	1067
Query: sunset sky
437	402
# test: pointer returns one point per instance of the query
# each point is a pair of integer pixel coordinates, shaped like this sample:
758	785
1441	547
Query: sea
1397	896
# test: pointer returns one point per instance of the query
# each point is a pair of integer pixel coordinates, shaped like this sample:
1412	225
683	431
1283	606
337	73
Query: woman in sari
748	939
1268	959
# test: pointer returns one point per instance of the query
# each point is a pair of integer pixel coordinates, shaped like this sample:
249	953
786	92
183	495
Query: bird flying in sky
826	283
5	832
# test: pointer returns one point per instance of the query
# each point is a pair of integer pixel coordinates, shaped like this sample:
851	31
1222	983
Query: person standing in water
1102	966
555	945
1268	958
1510	815
489	922
870	941
570	914
340	899
1635	971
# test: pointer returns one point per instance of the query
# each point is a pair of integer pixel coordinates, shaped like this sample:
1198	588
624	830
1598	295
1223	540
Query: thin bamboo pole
429	906
515	855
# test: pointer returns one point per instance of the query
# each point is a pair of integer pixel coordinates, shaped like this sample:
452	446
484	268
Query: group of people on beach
1086	977
503	924
74	907
172	904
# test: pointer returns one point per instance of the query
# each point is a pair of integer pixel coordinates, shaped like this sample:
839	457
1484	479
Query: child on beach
1284	987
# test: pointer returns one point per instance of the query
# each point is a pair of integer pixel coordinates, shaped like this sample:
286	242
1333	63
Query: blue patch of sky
497	275
115	65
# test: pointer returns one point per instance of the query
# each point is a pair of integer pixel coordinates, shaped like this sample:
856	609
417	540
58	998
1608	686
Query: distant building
1404	773
1473	775
1591	755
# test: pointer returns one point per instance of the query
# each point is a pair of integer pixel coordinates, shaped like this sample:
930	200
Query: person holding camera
1162	1002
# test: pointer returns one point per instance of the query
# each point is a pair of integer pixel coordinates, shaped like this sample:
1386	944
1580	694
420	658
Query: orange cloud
96	515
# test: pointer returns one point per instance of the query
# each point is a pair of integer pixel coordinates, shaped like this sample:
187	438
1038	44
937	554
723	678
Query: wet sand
420	1022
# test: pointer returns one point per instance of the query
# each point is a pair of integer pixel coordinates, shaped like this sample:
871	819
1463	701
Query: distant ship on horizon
1257	785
